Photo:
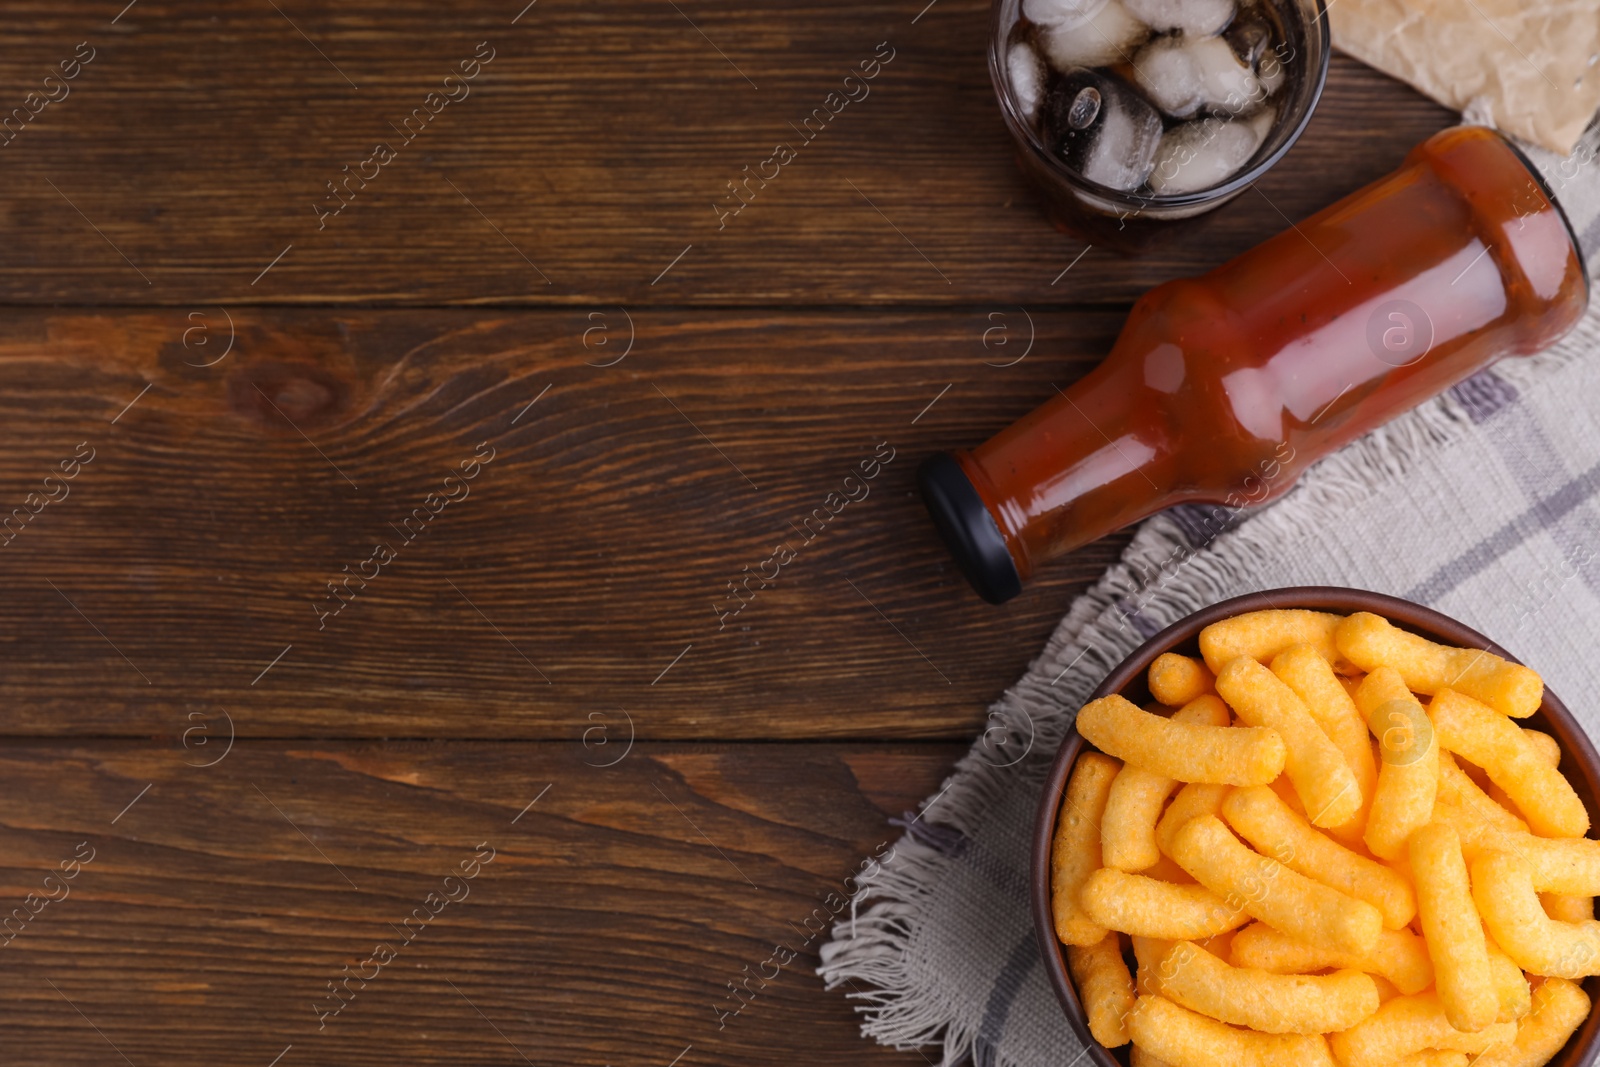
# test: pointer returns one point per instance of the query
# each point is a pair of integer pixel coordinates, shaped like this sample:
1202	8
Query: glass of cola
1129	114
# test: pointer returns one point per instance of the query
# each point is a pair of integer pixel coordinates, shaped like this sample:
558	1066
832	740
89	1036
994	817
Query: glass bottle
1228	385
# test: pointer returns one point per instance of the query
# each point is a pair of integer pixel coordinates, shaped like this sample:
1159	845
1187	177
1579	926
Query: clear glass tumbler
1131	114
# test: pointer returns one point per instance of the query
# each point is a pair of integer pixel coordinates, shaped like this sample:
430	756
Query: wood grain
615	910
197	545
230	403
585	159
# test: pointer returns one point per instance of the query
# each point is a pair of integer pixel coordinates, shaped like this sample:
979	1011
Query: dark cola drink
1157	101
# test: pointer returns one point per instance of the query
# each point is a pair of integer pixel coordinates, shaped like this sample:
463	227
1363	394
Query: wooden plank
586	567
220	902
196	147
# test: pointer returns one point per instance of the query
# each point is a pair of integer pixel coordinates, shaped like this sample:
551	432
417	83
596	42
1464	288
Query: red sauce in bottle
1225	387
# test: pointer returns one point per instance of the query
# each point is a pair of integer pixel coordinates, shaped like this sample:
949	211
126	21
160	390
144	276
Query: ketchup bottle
1225	387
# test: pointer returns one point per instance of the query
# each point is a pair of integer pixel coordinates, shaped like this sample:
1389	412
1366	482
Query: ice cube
1195	18
1270	72
1251	38
1226	84
1183	76
1060	12
1261	122
1102	128
1027	78
1199	155
1169	76
1104	35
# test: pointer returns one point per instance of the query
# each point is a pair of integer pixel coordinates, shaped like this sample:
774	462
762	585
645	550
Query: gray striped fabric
1484	503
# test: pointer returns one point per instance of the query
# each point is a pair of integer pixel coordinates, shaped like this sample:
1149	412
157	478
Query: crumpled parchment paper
1532	67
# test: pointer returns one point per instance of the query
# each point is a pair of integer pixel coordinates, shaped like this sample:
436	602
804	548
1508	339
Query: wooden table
542	286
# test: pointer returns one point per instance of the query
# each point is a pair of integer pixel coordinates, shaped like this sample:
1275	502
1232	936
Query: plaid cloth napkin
1483	503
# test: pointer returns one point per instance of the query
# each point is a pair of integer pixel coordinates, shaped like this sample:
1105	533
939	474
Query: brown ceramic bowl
1579	763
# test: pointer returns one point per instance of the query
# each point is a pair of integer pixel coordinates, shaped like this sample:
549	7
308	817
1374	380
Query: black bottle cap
968	529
